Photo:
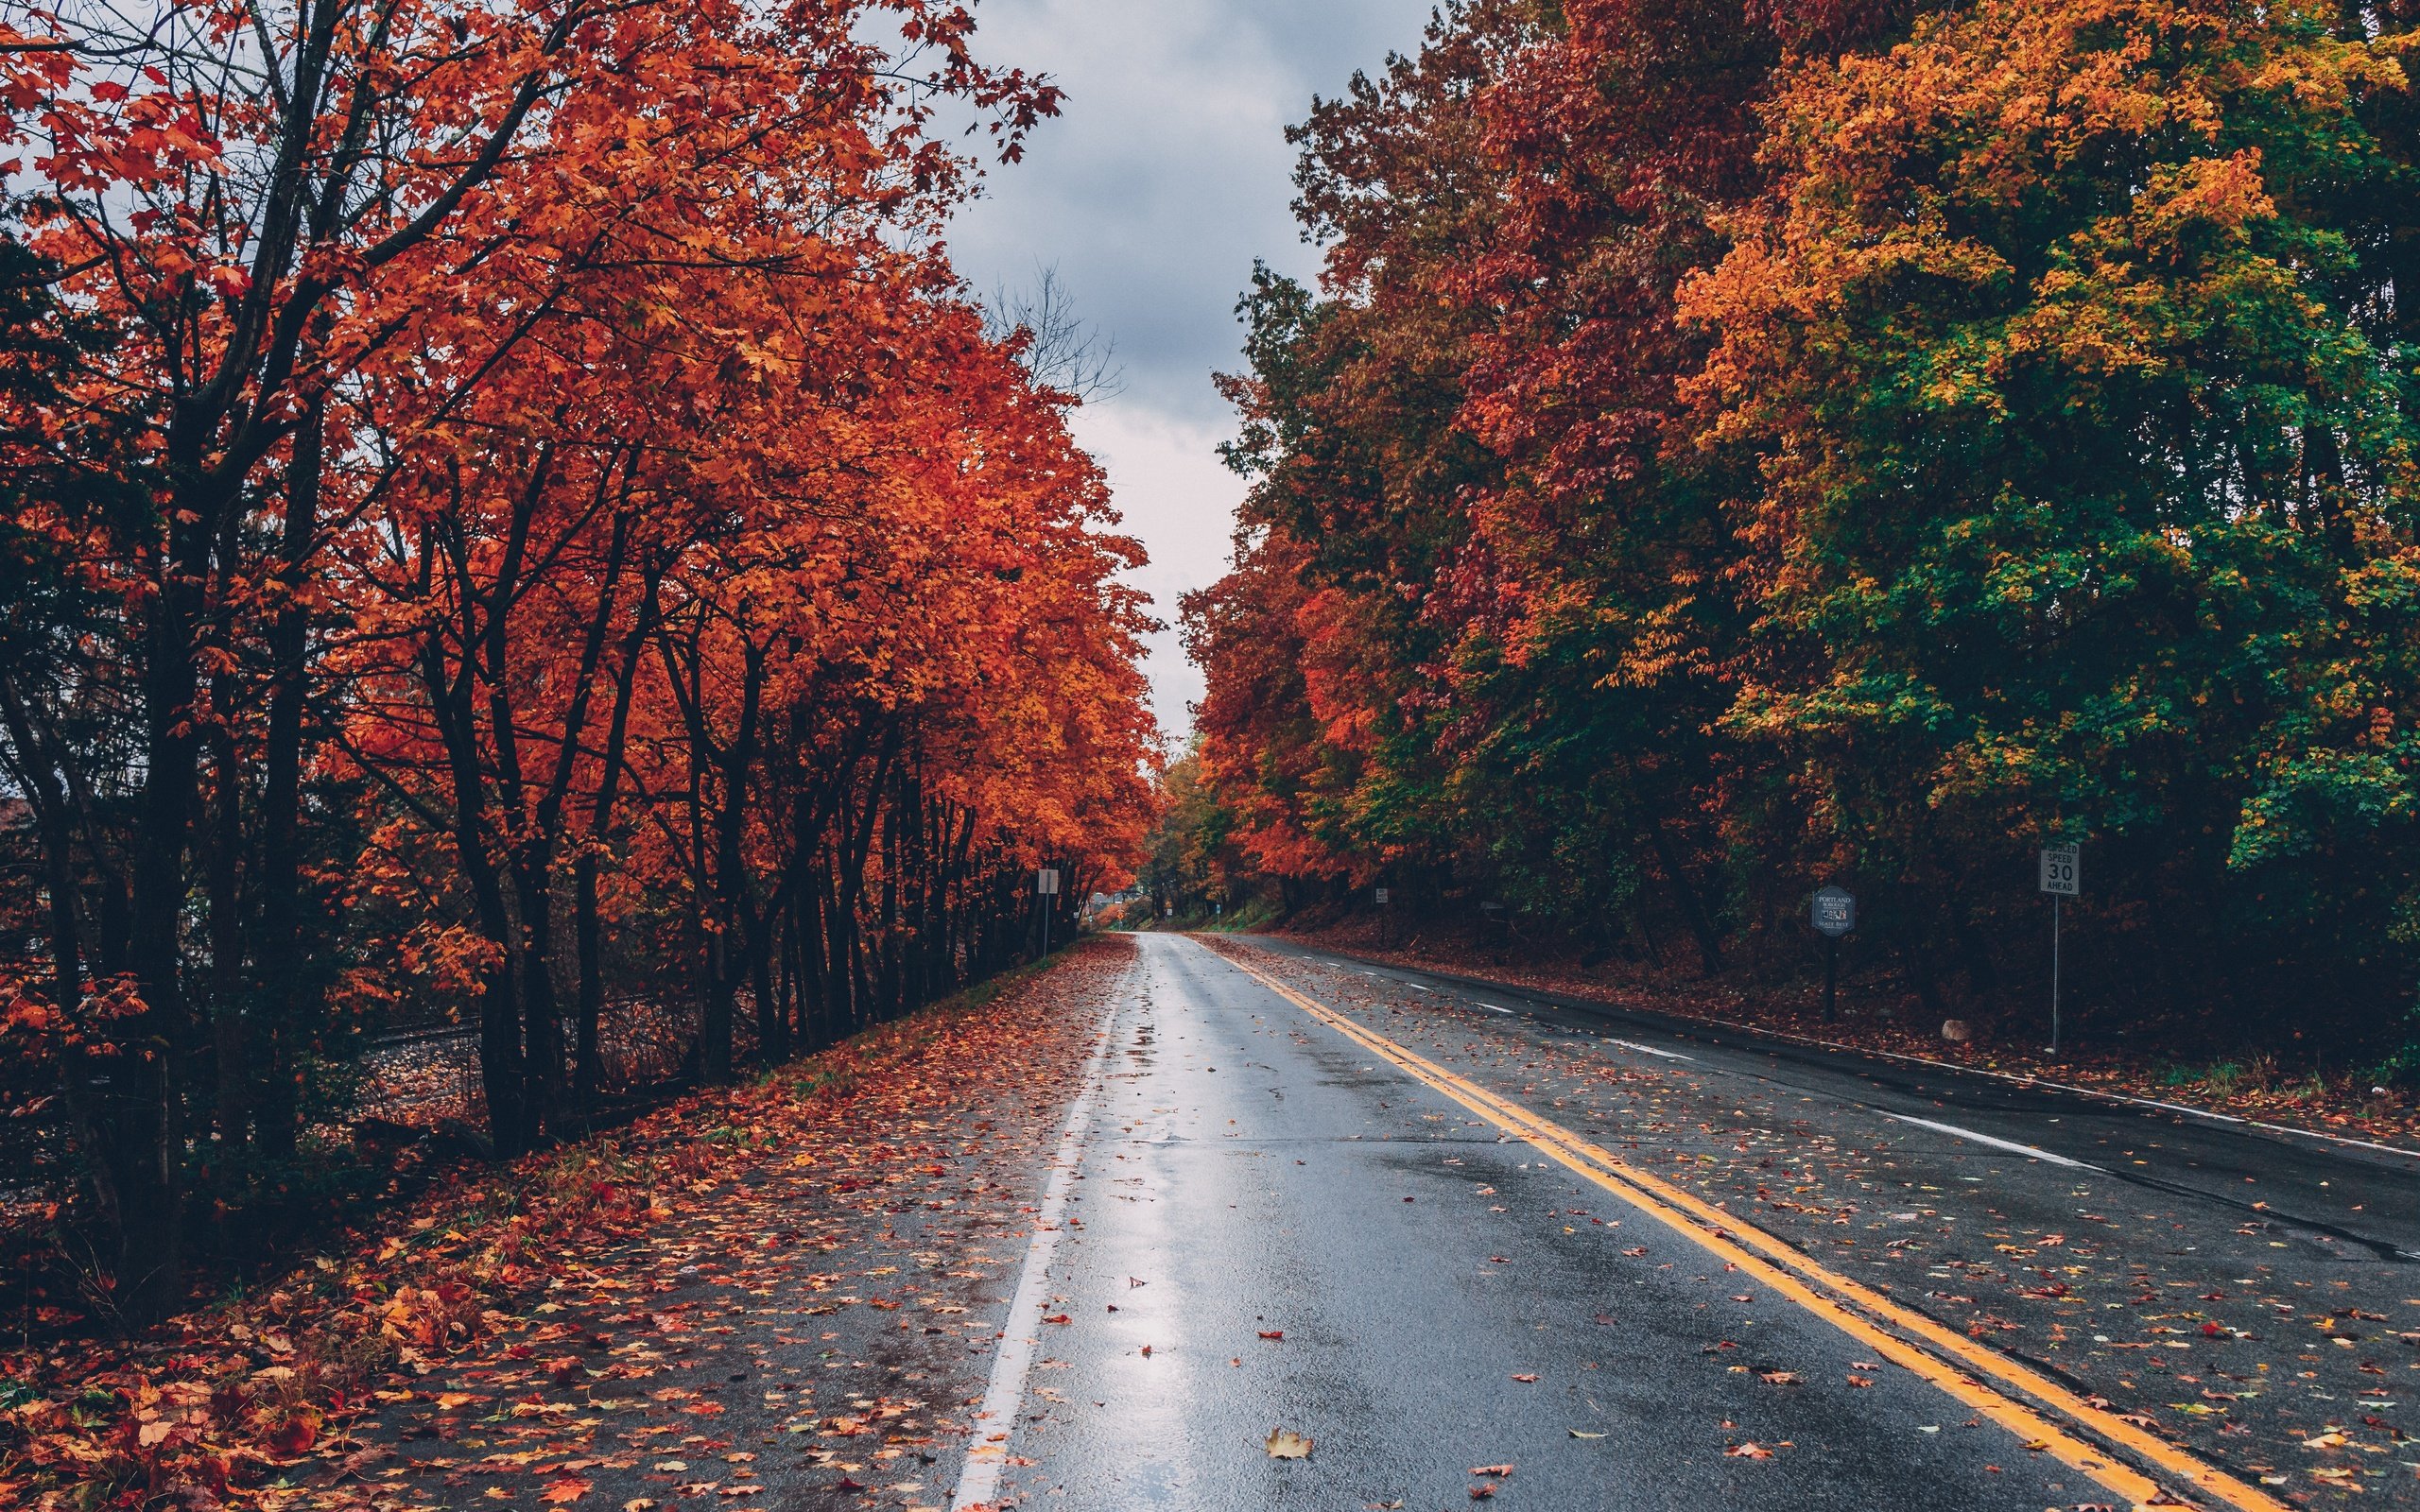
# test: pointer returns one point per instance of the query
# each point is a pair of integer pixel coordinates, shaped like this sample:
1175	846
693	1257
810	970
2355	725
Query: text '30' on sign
2061	872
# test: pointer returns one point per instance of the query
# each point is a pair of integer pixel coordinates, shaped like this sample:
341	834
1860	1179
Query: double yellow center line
2044	1413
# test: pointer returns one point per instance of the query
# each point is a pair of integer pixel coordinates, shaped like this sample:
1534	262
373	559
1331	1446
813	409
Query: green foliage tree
2077	479
1729	453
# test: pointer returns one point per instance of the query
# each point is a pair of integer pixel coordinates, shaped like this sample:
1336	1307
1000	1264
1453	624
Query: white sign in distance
1382	895
1046	882
2060	870
1835	912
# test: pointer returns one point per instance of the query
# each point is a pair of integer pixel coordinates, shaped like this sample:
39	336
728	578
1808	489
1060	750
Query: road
1440	1228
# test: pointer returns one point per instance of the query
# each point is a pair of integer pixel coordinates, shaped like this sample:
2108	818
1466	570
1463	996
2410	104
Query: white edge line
2009	1146
2189	1110
1626	1045
979	1481
1759	1031
1647	1050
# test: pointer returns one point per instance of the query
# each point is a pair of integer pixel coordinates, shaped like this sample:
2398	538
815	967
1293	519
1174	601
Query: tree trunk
282	979
1693	910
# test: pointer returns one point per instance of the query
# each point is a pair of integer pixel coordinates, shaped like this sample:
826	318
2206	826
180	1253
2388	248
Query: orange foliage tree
1736	449
526	516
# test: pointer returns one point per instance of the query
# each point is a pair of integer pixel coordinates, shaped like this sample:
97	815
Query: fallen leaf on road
1778	1378
639	1504
1577	1433
1861	1381
1272	1334
1284	1443
294	1436
1498	1470
1482	1491
566	1491
1056	1318
1749	1452
1527	1380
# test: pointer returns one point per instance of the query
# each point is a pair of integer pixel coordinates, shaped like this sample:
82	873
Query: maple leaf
293	1436
562	1492
1284	1443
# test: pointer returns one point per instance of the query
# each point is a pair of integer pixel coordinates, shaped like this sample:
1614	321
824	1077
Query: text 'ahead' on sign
2060	870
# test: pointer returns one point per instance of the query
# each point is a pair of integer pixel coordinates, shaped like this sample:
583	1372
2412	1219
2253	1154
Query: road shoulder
778	1294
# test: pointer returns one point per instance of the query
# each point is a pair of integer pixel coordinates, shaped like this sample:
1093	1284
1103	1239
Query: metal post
1831	974
1045	925
2054	973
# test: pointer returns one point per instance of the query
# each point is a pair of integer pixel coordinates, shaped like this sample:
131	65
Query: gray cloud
1166	176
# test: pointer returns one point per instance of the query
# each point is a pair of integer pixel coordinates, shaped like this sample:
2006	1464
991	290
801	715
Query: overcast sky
1152	195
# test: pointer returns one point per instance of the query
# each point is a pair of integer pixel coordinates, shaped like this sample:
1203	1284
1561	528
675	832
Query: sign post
2062	877
1834	915
1045	887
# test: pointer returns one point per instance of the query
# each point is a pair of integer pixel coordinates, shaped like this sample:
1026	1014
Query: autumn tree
462	387
1731	450
2078	454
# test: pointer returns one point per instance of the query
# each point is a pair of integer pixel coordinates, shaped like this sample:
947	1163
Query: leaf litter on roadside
502	1328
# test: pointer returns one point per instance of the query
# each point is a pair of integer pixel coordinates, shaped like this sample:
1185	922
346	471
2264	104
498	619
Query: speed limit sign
2060	873
2061	878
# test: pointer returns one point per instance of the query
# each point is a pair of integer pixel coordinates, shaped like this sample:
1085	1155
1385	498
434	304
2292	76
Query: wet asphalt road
2247	1294
2339	1197
826	1325
1271	1231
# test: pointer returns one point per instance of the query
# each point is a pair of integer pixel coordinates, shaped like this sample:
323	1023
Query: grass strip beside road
2042	1412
